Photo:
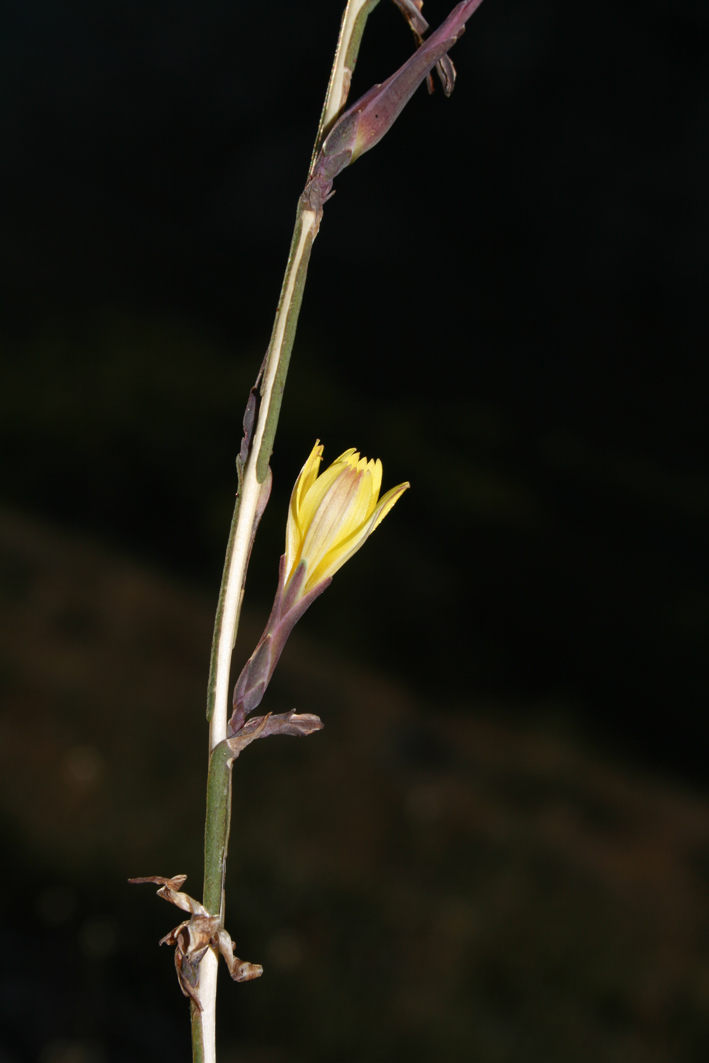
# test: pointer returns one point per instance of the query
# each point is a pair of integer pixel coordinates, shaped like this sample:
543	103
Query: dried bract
192	938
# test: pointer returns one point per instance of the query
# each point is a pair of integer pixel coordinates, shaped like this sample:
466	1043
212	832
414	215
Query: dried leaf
169	891
284	723
197	934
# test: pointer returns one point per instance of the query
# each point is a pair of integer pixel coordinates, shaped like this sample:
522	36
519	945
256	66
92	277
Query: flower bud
364	124
330	516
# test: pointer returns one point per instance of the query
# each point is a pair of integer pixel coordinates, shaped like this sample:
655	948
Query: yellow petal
325	529
294	534
359	505
308	476
375	467
386	502
336	557
347	457
333	513
312	502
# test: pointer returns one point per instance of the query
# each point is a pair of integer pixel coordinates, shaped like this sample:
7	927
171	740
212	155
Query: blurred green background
497	849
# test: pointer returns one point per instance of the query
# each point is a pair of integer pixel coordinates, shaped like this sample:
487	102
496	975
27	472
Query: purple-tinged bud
381	106
364	124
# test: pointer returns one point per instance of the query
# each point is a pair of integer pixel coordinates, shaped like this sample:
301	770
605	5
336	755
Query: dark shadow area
415	881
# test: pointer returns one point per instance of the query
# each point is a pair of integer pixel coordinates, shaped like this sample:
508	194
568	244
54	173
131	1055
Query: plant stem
338	89
216	835
197	1032
256	470
246	514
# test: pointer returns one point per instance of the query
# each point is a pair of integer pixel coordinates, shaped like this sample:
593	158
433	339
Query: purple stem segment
288	607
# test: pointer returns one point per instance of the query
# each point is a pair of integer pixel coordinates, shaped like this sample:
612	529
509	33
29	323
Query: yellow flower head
332	514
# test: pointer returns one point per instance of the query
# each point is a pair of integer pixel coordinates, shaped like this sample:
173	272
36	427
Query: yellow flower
331	515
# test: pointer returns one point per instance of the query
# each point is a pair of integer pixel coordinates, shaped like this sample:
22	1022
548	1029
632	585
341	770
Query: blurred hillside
417	882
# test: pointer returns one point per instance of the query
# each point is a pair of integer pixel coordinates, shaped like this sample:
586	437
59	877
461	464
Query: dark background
503	304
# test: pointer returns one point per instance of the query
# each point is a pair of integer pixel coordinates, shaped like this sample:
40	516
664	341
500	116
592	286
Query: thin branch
351	29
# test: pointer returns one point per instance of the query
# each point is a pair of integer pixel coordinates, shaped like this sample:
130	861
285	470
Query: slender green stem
243	527
197	1034
216	835
307	223
218	620
352	26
